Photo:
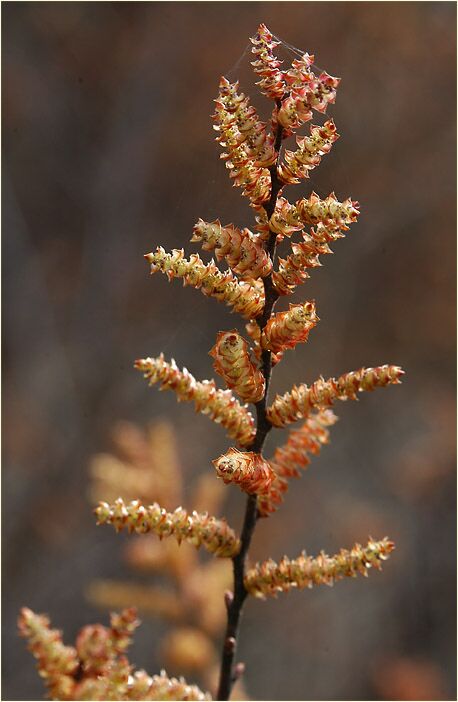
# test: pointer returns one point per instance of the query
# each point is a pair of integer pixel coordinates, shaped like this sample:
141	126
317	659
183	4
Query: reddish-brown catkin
293	456
308	155
219	405
270	578
250	471
322	393
233	363
243	297
56	663
244	251
266	65
307	92
286	329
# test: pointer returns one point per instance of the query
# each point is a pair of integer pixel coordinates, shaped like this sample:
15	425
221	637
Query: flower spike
330	212
243	250
307	92
267	66
322	393
250	471
289	459
233	363
56	663
292	271
270	578
245	298
161	687
307	156
198	529
286	329
220	405
96	669
249	150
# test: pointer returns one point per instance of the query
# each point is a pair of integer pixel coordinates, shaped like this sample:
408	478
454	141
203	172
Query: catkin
286	329
243	297
322	393
244	251
270	578
233	363
250	471
197	529
219	405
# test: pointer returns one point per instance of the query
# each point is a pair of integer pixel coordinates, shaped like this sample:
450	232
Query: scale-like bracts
297	164
57	663
329	216
292	457
293	270
250	471
245	298
302	399
285	219
286	329
307	92
270	578
198	529
233	363
239	125
220	405
161	687
244	251
267	66
329	212
249	150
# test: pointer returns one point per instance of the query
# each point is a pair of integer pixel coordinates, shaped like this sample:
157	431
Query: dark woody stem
235	601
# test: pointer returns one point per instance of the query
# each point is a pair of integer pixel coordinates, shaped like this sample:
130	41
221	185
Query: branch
235	603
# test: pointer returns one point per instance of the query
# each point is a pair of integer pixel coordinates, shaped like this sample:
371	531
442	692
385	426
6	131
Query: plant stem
263	426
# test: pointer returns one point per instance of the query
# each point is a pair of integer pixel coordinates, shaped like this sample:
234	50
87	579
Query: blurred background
108	152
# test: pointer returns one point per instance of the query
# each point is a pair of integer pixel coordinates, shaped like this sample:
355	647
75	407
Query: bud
250	471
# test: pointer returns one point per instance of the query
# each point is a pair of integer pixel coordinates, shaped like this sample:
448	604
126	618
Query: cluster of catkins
96	667
252	151
252	282
182	588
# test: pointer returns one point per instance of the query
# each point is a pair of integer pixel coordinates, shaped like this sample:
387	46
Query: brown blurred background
108	152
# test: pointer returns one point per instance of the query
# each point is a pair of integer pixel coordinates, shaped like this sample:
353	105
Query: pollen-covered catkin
250	471
270	578
244	251
249	150
286	329
330	212
292	271
57	663
297	164
292	457
267	66
161	687
220	405
233	363
307	92
197	529
322	393
243	297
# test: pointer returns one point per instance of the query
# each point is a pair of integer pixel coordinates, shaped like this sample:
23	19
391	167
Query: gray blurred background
108	152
